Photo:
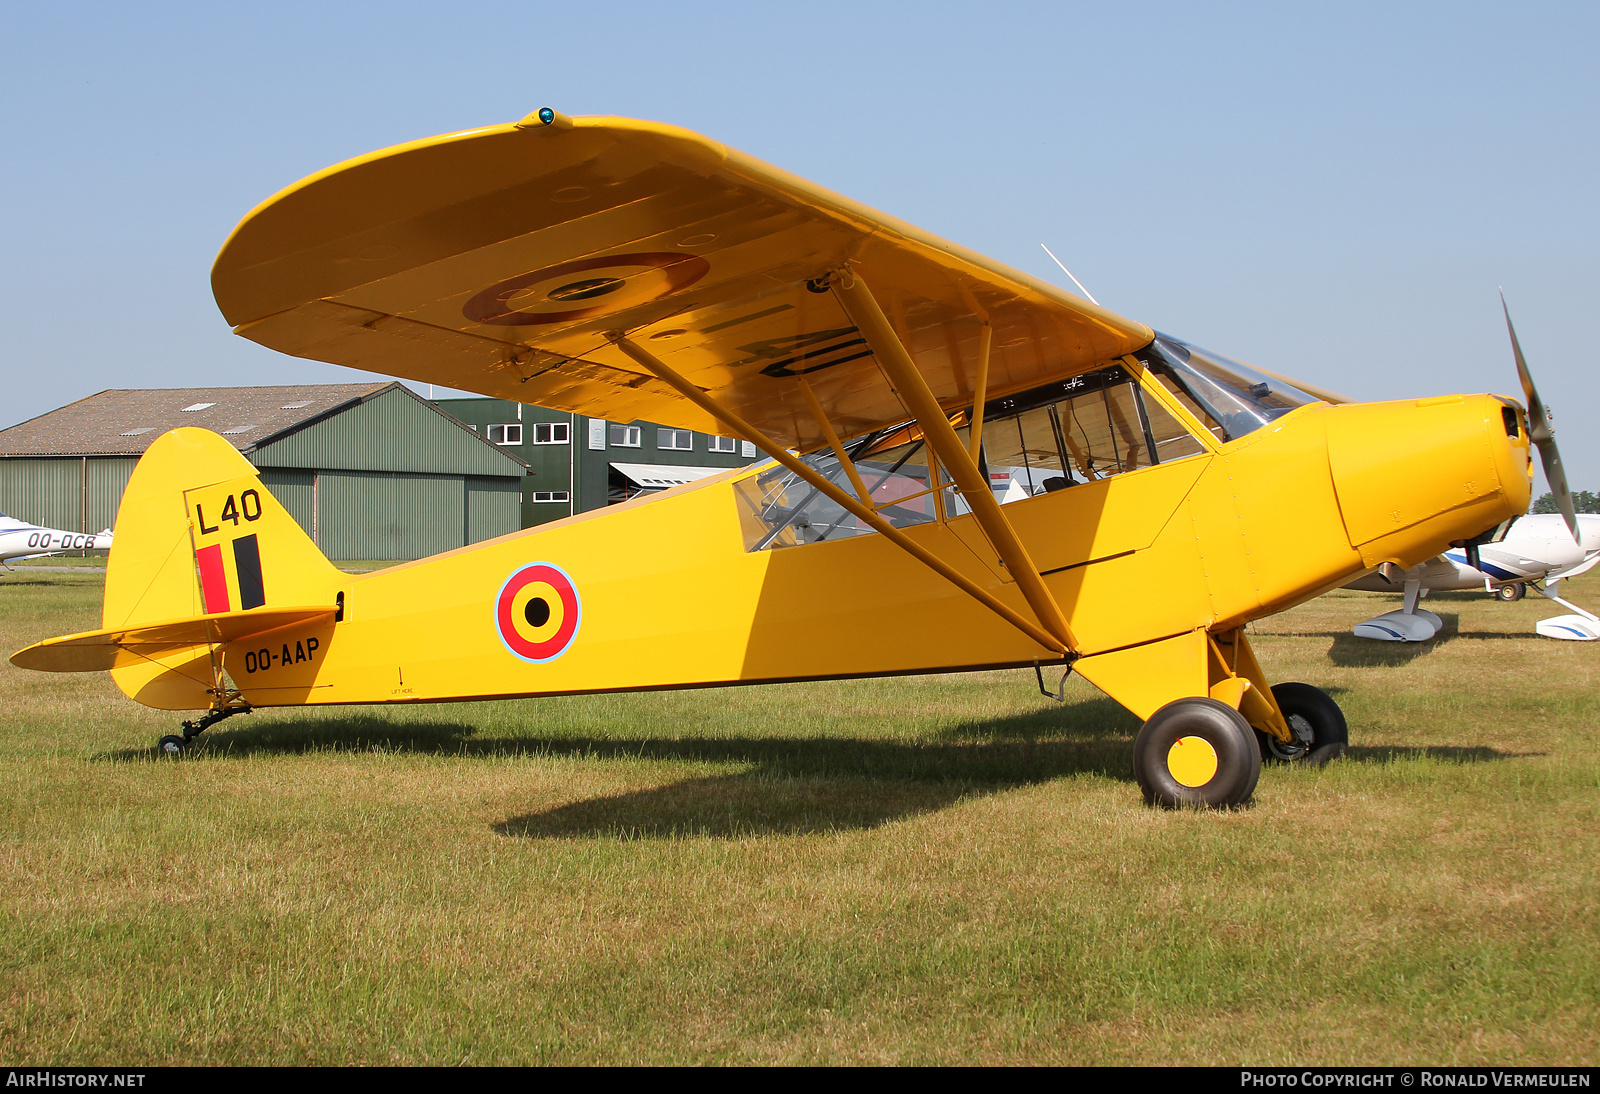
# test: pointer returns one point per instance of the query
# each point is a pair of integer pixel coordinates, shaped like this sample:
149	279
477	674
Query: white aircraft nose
1589	532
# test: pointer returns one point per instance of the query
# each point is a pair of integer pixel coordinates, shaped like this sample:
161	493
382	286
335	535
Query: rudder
197	533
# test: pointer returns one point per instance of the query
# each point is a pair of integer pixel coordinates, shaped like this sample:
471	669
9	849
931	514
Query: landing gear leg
173	744
1320	731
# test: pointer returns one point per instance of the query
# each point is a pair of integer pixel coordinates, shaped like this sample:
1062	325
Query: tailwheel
1320	731
1197	752
175	745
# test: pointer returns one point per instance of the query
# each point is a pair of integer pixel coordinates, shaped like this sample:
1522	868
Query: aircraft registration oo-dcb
1158	498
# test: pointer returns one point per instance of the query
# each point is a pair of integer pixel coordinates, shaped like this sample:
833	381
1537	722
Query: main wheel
1511	593
172	745
1320	731
1196	752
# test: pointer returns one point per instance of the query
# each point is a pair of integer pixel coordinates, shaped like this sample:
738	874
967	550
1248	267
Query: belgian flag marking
537	612
247	571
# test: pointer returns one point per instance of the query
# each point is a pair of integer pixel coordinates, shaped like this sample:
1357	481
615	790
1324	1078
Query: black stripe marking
1085	562
247	563
725	324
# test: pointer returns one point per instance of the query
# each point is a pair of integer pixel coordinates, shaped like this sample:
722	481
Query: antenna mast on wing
1068	272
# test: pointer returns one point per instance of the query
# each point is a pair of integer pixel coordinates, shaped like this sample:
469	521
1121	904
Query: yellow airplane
1156	497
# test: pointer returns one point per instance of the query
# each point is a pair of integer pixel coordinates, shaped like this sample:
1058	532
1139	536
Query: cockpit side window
1169	383
1089	427
1082	429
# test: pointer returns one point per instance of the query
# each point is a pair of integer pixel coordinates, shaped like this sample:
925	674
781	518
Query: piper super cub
629	270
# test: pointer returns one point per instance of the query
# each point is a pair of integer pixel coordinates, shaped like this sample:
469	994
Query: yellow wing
505	260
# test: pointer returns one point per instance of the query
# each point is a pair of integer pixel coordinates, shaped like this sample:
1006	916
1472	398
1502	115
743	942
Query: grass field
924	870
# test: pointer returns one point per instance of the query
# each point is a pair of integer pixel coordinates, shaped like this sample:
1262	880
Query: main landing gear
1196	752
1201	752
174	745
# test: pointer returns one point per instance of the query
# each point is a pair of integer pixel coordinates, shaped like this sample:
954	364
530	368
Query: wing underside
509	260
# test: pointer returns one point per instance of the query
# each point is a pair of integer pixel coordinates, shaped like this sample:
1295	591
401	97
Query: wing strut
901	372
981	396
857	508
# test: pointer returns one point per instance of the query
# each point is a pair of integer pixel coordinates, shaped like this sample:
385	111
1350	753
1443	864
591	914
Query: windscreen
1236	396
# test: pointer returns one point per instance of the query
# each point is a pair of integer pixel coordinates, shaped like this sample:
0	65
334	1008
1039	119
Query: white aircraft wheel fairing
1572	628
1196	752
1399	626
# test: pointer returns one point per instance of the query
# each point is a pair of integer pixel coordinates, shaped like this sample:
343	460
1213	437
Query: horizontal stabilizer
98	651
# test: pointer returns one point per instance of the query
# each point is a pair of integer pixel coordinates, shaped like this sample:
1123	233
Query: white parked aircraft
1532	549
19	540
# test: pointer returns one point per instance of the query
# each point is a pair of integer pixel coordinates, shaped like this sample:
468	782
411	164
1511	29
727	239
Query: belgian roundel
537	612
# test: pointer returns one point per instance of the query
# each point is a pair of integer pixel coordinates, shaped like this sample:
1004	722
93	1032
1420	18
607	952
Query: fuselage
692	587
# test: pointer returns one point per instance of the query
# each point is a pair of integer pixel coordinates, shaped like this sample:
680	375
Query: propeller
1540	433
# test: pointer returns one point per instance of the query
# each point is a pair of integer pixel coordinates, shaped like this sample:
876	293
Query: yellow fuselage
671	597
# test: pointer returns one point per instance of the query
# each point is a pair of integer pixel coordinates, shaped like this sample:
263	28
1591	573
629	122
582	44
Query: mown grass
924	870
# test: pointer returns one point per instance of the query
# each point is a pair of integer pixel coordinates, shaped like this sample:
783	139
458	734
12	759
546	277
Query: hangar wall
369	471
77	494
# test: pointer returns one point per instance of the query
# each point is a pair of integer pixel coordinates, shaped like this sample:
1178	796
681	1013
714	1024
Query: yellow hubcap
1192	761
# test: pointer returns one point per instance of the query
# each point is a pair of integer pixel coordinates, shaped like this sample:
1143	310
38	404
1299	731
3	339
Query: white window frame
663	432
562	496
631	436
556	432
725	445
509	436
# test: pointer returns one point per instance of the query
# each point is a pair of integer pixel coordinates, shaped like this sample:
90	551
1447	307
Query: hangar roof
123	422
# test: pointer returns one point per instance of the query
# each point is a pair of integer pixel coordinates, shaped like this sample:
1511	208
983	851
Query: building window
551	433
551	495
680	439
721	444
625	436
505	434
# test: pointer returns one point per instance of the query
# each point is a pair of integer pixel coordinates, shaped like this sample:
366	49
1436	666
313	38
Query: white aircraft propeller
1540	432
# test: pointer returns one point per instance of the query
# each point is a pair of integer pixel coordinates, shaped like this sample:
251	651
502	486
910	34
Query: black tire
172	745
1219	726
1511	593
1320	729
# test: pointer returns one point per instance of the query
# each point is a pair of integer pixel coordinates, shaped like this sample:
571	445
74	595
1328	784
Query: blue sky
1332	191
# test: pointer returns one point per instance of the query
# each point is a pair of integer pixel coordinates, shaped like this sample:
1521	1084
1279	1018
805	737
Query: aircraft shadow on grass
1455	754
793	785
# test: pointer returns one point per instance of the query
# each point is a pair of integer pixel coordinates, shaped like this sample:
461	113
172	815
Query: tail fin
198	534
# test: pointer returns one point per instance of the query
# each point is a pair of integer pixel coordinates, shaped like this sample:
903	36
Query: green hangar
370	471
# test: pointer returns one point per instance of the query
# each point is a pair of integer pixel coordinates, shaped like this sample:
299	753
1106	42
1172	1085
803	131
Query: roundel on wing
584	288
537	612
